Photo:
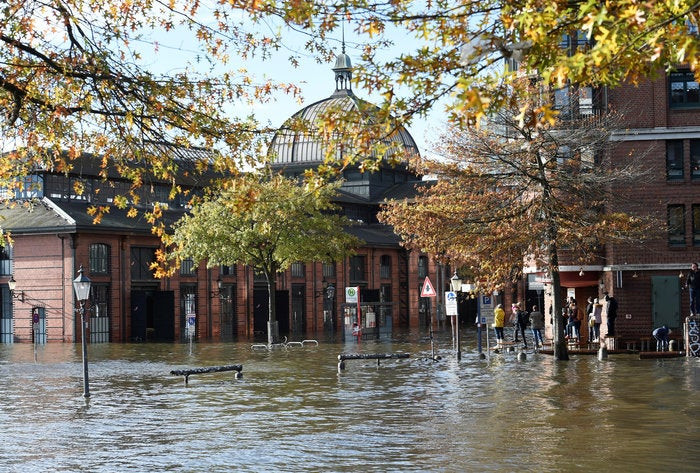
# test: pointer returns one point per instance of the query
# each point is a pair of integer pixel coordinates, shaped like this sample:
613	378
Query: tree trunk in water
559	345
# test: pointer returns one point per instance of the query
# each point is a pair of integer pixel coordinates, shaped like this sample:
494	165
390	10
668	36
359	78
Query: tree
265	221
515	191
81	75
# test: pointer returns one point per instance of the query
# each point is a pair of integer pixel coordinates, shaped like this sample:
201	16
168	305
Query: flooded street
293	411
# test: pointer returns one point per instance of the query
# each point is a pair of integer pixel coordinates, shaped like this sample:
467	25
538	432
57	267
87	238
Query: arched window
99	258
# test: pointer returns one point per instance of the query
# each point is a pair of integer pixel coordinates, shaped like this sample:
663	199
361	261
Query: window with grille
385	267
676	225
227	270
297	270
99	318
6	260
187	267
329	270
696	224
422	267
695	159
357	268
674	159
141	260
99	258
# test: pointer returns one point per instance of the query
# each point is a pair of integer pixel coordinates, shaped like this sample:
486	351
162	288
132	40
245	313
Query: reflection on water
292	411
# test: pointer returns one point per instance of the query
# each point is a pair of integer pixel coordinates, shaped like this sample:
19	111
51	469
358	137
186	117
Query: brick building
661	123
53	236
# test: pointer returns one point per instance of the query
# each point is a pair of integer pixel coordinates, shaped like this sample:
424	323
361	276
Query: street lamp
456	284
12	284
81	286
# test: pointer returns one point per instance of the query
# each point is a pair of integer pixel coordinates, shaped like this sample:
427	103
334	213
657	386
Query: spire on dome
343	71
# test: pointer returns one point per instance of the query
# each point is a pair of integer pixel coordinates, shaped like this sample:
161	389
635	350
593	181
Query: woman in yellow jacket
499	319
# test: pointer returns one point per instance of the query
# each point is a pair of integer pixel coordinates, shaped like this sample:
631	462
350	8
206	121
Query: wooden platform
586	351
645	355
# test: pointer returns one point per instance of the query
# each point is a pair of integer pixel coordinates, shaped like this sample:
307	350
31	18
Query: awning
574	279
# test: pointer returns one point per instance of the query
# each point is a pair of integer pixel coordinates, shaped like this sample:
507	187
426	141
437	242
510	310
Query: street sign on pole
486	307
451	303
428	289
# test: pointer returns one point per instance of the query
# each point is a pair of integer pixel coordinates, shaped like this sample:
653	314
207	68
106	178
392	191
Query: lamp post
81	286
456	284
330	293
469	289
12	284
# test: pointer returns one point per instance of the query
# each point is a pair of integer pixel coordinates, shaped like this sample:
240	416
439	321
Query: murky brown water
292	411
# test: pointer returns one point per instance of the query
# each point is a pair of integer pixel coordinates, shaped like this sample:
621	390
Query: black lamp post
12	284
456	284
81	286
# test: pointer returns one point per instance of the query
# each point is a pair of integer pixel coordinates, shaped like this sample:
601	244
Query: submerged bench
211	369
368	356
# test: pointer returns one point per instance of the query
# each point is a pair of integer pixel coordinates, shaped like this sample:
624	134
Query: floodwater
293	411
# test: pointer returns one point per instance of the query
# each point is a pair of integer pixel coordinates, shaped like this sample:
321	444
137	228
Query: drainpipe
73	270
122	286
63	286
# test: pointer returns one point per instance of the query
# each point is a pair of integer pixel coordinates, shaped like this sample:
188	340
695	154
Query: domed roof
292	146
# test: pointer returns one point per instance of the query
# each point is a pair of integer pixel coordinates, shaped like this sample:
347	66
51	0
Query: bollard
673	345
522	356
602	352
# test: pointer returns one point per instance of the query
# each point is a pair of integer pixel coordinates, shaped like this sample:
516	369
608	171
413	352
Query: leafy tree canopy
81	75
265	221
515	189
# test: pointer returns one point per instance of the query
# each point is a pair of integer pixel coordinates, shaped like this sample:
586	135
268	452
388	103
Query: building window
696	224
298	270
683	90
99	319
188	268
141	260
674	159
99	258
357	268
259	276
695	159
188	307
227	270
385	267
7	329
32	188
329	270
422	267
5	260
676	225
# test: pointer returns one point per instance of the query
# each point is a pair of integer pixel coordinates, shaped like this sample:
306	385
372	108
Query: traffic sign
428	289
451	302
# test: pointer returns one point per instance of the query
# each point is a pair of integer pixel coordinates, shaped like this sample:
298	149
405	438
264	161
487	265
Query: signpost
428	290
352	296
486	307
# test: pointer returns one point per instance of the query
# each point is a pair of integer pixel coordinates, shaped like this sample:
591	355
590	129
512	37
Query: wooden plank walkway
645	355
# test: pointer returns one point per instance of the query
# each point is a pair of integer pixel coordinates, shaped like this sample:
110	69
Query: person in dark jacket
661	335
692	282
522	320
537	325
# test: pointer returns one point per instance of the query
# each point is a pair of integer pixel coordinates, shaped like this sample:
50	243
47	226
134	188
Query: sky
316	80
